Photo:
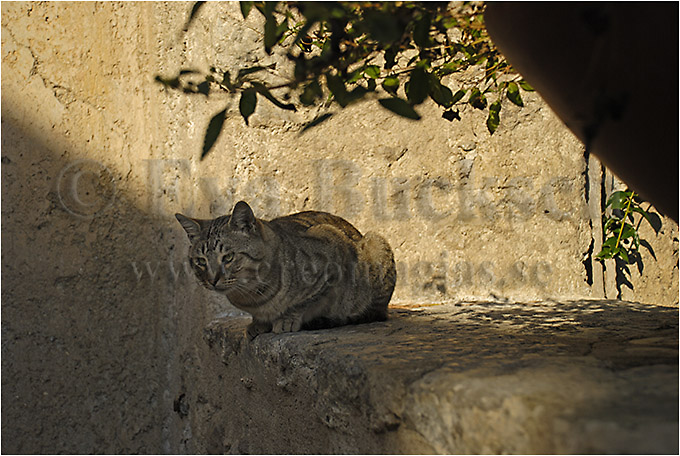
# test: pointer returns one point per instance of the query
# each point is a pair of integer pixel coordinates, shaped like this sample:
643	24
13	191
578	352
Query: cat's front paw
287	324
256	328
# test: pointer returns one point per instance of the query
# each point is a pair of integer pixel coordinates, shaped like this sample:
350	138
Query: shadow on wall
89	351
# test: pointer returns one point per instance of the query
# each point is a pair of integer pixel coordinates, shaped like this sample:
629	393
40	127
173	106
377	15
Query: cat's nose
216	279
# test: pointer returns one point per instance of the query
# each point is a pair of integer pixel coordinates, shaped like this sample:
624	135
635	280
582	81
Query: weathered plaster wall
86	346
469	215
101	323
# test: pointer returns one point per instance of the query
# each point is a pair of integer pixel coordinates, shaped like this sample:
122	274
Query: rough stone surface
545	377
102	322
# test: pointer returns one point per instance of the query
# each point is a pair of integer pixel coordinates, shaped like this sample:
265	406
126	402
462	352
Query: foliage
342	52
622	241
399	53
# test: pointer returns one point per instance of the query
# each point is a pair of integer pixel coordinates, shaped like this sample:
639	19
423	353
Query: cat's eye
200	262
228	258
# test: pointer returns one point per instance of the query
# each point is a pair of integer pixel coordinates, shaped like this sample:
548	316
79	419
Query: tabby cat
303	271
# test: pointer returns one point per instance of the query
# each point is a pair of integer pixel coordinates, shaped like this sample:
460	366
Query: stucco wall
100	320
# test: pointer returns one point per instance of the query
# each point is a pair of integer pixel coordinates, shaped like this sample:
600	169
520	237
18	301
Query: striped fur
302	271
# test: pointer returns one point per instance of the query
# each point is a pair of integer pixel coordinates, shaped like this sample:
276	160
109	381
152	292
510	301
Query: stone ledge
551	377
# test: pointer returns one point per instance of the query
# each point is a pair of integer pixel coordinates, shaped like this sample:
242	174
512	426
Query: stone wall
101	322
579	377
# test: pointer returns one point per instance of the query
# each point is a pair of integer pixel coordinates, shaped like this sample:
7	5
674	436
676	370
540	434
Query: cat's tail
374	250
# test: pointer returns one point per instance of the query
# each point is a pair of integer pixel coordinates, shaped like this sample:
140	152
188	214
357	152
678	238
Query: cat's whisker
246	293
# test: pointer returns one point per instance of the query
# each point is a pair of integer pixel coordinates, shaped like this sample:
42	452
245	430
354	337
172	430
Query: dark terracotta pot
610	72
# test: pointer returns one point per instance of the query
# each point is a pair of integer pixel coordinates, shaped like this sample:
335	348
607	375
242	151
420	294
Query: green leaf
494	116
391	84
300	70
611	224
305	42
421	31
326	51
271	28
458	96
618	199
337	88
317	121
400	107
513	94
382	26
281	29
247	103
302	37
417	88
492	123
245	8
269	8
449	22
270	37
609	242
264	91
525	86
628	231
213	132
604	254
477	99
314	11
372	71
337	12
450	67
310	93
441	94
354	76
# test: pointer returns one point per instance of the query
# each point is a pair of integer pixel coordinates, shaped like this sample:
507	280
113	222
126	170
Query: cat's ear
242	218
191	226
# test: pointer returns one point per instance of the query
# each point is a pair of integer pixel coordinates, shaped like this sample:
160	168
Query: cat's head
227	253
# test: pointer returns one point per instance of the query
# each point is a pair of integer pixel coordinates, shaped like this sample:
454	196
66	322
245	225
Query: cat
308	270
